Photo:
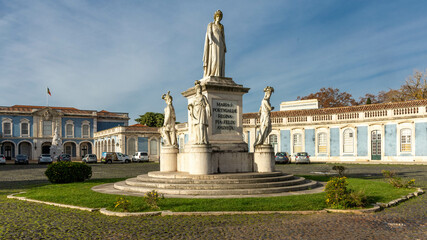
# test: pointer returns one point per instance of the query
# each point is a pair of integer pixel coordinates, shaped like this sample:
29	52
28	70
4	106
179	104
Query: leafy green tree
151	119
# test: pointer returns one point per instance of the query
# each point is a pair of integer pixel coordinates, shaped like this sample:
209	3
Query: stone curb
377	207
12	196
123	214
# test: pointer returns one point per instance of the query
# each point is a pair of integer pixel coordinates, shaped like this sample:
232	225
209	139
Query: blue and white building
381	133
29	129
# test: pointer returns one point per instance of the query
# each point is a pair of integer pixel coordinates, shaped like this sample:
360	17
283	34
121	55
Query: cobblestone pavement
23	220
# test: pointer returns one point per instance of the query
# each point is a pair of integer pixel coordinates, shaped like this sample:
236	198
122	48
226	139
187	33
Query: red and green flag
48	92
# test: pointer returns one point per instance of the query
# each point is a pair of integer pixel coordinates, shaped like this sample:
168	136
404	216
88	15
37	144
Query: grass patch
80	194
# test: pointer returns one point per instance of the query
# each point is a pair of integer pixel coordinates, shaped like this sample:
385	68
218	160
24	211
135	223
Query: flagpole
47	97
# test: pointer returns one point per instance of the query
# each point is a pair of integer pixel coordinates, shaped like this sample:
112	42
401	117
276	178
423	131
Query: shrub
67	172
340	170
152	199
339	196
122	203
396	181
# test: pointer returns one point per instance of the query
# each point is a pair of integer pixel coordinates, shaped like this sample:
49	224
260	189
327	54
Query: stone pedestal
264	158
201	159
226	121
168	159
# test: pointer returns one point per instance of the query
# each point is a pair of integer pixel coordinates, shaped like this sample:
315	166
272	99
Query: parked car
2	159
90	158
282	157
140	157
114	157
302	157
21	158
45	158
64	157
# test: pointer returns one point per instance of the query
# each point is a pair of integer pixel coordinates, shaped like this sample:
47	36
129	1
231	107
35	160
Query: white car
112	157
2	159
140	157
45	158
90	158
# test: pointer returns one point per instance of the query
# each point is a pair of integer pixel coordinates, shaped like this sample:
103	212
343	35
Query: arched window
47	128
297	142
181	141
69	129
348	141
86	129
405	140
25	126
322	143
7	127
272	139
153	147
131	146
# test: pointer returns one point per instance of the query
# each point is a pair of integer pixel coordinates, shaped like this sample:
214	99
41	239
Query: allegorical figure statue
214	51
264	115
56	147
168	130
200	111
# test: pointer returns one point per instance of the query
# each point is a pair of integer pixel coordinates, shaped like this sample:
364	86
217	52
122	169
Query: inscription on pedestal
224	116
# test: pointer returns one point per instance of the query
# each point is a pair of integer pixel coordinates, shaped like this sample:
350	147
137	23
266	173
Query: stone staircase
216	185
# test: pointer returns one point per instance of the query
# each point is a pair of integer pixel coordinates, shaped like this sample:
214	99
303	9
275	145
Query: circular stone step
255	191
216	185
147	178
213	184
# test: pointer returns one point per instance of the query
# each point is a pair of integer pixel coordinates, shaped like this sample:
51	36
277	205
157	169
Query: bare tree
415	87
331	97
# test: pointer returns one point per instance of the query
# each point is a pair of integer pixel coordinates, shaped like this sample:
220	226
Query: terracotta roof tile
29	108
140	127
336	110
104	113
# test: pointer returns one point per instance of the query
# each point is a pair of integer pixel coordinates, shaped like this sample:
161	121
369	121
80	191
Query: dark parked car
302	157
64	157
45	158
21	158
282	157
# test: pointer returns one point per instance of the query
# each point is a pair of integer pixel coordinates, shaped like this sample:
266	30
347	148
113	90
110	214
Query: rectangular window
297	142
348	141
7	130
86	131
47	128
69	130
322	143
405	140
24	129
68	150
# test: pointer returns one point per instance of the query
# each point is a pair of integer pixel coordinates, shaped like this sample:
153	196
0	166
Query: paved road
22	220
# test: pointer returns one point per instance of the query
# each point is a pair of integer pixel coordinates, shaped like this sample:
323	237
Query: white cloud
123	55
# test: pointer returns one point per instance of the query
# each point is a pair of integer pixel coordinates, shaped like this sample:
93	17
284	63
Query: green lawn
80	194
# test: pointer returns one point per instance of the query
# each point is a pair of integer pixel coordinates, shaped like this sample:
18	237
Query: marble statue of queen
265	119
200	112
214	51
168	130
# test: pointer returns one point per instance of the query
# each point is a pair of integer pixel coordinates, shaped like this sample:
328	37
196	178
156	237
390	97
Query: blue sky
123	55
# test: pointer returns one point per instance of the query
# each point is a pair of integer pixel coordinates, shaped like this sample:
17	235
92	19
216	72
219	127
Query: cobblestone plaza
23	220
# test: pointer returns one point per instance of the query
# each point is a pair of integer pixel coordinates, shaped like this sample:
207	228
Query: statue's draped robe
265	122
214	51
168	130
200	121
170	118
